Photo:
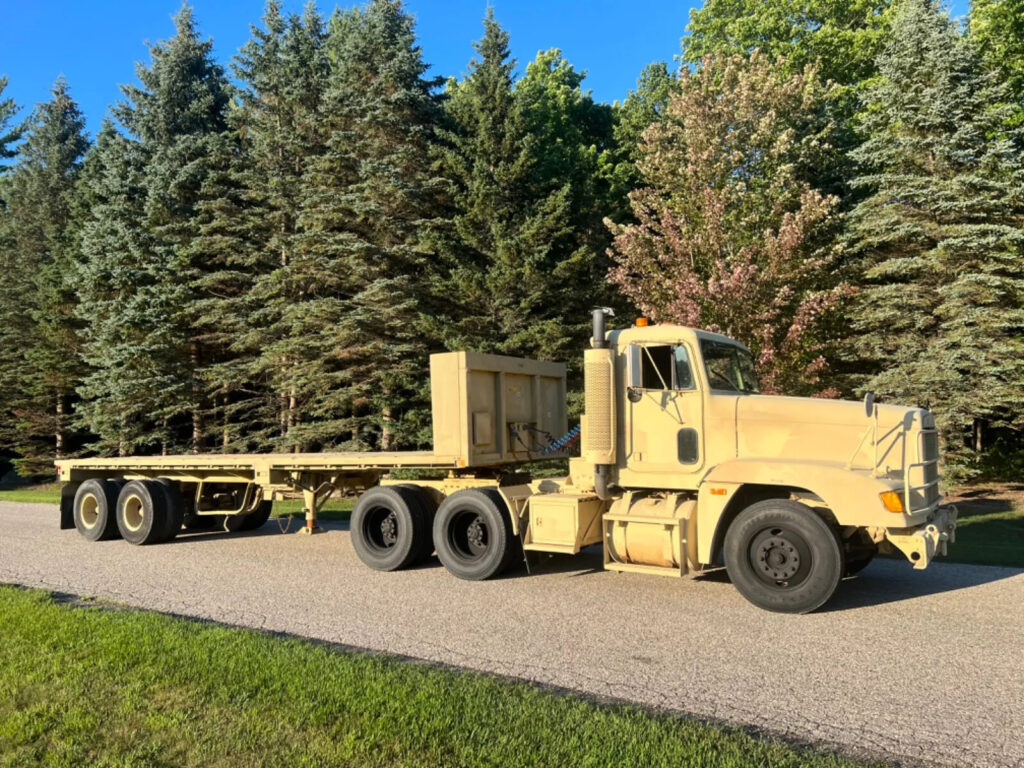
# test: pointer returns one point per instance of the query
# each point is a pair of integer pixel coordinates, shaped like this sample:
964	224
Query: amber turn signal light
892	501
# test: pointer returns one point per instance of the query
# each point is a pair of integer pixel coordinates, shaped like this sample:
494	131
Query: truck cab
699	468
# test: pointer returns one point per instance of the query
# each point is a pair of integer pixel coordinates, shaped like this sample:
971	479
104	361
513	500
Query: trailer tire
142	511
473	534
783	557
427	510
256	519
175	508
387	528
94	508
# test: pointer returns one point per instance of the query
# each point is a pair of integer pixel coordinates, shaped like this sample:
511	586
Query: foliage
728	237
997	28
841	38
939	240
38	331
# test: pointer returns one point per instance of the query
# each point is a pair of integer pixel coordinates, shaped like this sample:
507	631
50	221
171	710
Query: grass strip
86	686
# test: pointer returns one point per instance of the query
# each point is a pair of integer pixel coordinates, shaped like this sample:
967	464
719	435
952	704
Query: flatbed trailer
685	466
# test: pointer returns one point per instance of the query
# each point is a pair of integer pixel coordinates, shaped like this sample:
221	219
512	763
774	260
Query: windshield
729	368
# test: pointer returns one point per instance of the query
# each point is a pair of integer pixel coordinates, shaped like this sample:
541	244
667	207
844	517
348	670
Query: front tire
473	534
783	557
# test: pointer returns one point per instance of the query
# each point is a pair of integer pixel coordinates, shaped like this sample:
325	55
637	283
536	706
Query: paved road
926	668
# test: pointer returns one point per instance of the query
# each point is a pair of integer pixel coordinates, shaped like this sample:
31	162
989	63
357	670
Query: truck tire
388	528
860	551
142	511
783	557
94	508
175	508
427	509
473	534
256	519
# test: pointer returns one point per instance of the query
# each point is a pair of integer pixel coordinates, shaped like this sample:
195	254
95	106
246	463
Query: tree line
261	258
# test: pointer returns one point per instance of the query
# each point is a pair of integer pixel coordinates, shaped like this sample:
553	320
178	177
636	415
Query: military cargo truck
685	466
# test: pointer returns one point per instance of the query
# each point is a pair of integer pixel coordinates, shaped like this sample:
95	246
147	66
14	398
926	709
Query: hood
837	431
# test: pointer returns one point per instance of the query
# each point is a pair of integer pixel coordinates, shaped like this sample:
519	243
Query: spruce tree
940	238
283	70
367	201
511	256
176	117
42	328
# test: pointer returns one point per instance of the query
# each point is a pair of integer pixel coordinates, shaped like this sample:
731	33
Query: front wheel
783	557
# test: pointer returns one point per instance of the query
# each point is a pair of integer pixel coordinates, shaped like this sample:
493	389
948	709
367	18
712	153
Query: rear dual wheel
473	534
390	527
95	506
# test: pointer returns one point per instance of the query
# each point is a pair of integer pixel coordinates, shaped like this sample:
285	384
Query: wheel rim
134	513
780	557
380	529
469	536
90	511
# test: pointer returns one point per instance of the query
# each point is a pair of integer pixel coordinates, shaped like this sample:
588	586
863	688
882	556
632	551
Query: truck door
664	427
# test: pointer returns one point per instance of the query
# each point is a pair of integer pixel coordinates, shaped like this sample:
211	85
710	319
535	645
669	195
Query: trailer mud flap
67	505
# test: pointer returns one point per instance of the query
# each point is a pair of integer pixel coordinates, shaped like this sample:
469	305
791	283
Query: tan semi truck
684	467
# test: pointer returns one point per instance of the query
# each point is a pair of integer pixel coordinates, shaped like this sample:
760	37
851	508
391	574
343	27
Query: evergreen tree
124	340
359	362
641	108
940	237
284	70
8	134
729	236
997	28
177	116
512	256
41	328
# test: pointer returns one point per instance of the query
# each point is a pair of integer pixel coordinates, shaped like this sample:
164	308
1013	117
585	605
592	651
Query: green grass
34	494
89	686
989	534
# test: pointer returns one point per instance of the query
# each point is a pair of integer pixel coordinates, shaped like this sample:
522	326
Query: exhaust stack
599	404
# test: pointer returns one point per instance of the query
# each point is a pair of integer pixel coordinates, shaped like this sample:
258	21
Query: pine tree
10	289
284	70
177	117
940	237
8	134
510	255
46	368
358	364
124	345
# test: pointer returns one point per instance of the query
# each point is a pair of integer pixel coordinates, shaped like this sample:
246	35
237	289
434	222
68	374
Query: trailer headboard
492	409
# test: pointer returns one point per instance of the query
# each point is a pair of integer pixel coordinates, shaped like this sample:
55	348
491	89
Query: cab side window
664	367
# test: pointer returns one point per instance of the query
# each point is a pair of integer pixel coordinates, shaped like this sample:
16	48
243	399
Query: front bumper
923	542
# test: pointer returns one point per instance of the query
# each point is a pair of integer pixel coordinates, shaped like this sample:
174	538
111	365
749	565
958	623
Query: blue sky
95	45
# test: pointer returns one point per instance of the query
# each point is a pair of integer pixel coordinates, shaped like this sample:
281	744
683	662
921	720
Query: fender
841	489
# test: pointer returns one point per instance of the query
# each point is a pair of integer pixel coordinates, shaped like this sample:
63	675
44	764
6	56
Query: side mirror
634	394
869	404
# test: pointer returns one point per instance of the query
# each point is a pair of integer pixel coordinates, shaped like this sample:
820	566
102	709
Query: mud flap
67	505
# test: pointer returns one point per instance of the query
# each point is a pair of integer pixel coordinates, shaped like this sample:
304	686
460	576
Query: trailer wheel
473	534
94	508
427	510
256	519
142	511
387	528
175	509
783	557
